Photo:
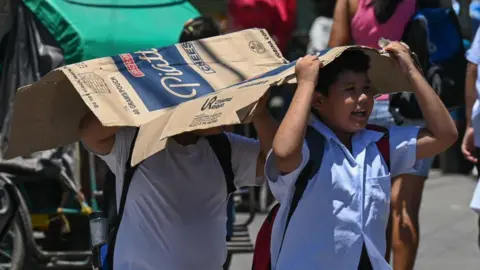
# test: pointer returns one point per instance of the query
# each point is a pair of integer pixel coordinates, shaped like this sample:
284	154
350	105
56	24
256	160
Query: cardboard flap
148	139
52	103
226	107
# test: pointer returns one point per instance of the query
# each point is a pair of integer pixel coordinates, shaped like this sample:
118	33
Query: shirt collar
319	126
366	136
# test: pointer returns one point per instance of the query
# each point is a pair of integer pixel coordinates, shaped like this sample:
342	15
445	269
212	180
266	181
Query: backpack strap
109	198
383	144
316	147
223	150
127	179
261	252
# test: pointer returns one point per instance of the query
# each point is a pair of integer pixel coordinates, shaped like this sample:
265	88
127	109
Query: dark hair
384	9
198	28
352	60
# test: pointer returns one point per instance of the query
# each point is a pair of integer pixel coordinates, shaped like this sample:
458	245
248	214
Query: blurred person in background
364	22
319	33
471	139
276	16
199	28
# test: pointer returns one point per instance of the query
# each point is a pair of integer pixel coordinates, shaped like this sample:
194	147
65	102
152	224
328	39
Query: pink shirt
366	30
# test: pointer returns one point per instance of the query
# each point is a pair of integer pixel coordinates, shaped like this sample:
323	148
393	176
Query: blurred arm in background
340	35
468	145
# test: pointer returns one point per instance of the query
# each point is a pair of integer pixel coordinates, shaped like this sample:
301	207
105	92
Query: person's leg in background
404	226
406	199
402	234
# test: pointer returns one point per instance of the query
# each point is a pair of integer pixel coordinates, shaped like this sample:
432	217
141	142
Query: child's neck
345	138
186	138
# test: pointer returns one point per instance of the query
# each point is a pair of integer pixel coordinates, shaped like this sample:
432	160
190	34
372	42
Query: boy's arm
111	144
248	155
95	136
440	132
266	128
340	34
288	142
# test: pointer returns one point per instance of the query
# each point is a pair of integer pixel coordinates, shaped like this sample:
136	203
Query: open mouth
360	113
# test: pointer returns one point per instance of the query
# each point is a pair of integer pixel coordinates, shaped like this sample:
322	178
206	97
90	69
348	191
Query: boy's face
348	104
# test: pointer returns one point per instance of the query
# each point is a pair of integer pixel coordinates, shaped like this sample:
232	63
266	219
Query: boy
174	215
344	209
175	211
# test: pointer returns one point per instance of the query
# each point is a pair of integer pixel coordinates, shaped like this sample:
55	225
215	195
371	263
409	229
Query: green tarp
87	29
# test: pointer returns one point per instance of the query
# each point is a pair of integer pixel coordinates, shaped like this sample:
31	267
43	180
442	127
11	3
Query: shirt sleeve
473	54
403	150
245	153
118	156
279	183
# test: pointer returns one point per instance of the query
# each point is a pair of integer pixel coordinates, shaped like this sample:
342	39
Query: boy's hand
404	61
468	146
307	69
261	109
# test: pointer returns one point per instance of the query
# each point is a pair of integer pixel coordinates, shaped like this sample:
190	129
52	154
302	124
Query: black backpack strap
316	147
115	224
223	150
109	199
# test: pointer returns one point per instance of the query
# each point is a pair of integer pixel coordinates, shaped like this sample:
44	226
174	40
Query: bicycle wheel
13	248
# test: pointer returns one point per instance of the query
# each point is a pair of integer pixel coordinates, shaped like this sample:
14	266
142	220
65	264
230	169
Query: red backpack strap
383	144
316	146
261	254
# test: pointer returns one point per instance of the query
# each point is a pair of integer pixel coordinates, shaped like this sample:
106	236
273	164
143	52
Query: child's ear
318	101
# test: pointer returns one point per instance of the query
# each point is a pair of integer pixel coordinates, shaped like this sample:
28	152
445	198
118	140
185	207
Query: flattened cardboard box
132	89
180	88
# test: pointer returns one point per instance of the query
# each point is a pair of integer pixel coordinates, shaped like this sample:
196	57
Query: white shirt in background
175	213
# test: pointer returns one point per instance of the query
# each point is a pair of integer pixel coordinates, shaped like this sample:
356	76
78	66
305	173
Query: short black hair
199	28
349	60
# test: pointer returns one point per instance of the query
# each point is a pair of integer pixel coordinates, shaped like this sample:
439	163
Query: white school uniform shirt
345	205
176	209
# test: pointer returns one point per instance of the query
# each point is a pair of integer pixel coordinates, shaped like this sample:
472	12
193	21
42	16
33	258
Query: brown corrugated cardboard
189	86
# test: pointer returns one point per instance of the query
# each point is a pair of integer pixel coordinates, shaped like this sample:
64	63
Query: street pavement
448	227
